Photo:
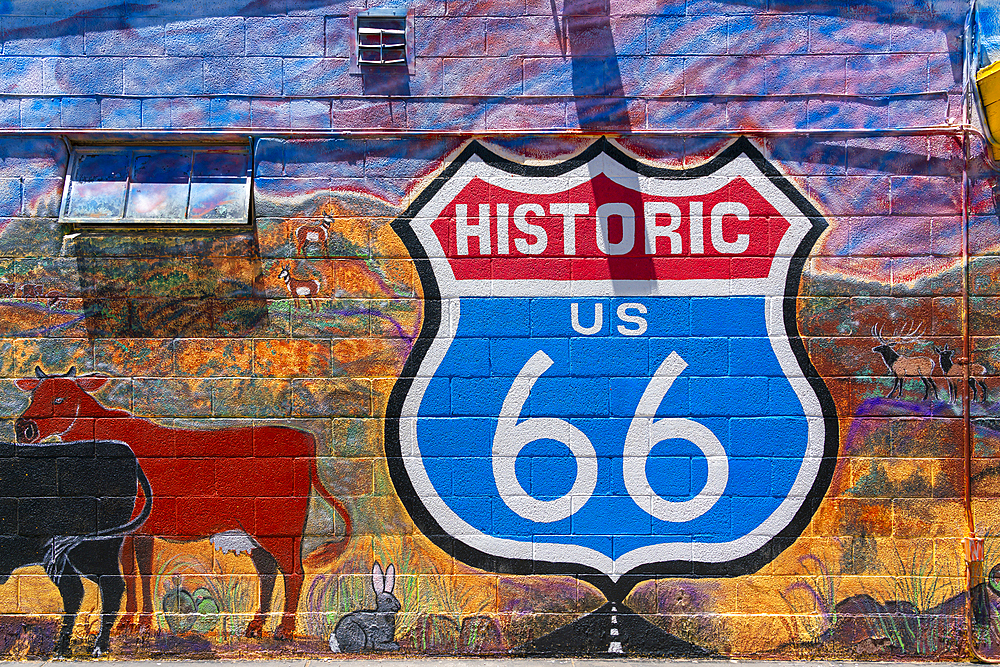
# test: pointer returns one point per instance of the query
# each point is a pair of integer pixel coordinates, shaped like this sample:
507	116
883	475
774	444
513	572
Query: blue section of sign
732	385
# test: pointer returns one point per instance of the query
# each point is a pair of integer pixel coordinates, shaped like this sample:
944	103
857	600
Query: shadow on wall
597	81
385	80
195	285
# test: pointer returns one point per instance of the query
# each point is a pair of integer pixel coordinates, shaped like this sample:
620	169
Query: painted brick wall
356	380
283	64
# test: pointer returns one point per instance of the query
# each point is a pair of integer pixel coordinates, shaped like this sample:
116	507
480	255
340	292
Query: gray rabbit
370	629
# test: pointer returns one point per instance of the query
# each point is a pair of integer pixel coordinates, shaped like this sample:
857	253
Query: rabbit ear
390	578
378	582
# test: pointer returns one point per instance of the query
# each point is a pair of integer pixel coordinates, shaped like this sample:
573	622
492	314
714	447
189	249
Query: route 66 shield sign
609	380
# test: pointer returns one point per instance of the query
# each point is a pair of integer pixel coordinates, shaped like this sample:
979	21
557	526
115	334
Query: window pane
159	187
218	186
393	39
218	199
393	23
210	163
98	186
370	38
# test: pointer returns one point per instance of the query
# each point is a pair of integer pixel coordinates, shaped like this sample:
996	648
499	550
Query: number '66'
644	433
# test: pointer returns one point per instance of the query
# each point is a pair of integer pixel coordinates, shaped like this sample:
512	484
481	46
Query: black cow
68	506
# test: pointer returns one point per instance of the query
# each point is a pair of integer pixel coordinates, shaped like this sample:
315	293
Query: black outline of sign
747	564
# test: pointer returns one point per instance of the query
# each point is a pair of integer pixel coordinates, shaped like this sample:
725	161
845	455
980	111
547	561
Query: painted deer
300	288
261	478
953	369
317	233
904	368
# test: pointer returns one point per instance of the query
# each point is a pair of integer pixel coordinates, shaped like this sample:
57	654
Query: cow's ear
91	383
27	384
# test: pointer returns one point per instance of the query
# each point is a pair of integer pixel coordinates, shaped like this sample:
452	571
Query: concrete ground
470	662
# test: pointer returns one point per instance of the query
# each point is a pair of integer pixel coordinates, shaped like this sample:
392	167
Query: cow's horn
39	373
72	372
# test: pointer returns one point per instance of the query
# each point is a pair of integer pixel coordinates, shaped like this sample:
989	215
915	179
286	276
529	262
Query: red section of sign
602	230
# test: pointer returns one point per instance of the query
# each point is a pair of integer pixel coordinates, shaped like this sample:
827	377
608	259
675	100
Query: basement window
162	186
382	37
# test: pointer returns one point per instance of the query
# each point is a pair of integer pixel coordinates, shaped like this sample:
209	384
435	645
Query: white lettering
639	321
480	230
513	433
627	214
651	209
645	432
521	222
719	211
654	227
696	223
574	310
503	229
569	213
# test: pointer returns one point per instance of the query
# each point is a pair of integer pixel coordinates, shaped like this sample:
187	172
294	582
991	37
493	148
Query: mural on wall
735	359
257	504
462	322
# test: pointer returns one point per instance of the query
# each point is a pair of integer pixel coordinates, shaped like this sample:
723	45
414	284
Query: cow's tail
331	548
147	505
60	546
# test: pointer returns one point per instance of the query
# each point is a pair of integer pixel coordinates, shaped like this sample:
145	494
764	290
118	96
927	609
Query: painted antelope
300	288
953	369
317	233
904	368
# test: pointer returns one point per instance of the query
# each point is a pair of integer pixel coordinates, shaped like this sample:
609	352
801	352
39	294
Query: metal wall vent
382	37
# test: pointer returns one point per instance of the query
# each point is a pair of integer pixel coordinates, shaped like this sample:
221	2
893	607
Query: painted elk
954	369
298	288
260	478
905	368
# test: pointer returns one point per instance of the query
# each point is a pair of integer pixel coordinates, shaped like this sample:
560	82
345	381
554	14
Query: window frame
125	221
